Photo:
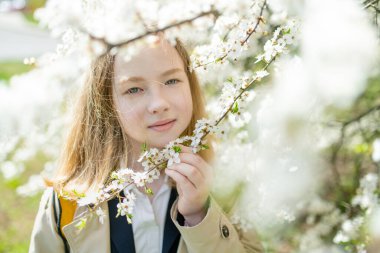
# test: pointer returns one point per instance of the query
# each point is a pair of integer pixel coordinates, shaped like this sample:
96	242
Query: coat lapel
94	237
121	232
171	233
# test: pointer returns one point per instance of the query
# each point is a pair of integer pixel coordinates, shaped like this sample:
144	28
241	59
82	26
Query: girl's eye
172	81
134	90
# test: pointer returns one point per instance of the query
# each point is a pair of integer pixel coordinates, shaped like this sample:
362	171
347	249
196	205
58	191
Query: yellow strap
68	208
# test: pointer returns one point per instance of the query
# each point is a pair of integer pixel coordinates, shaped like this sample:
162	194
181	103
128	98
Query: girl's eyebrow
171	71
136	79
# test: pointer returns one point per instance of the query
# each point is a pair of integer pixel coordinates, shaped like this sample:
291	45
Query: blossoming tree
291	90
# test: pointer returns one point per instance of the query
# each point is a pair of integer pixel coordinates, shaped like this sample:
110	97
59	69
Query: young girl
153	98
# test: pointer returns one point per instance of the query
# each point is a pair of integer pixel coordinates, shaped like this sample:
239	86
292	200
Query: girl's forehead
149	62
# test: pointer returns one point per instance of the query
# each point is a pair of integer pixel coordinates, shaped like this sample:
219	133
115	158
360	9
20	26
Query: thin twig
338	146
360	116
368	4
259	19
152	32
334	156
249	33
241	93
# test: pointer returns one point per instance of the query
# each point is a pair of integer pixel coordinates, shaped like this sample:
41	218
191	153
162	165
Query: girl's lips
163	127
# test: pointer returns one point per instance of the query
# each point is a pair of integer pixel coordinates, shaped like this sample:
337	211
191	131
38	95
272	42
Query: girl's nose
158	102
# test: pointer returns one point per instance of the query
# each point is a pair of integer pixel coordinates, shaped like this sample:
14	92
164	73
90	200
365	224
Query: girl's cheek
183	96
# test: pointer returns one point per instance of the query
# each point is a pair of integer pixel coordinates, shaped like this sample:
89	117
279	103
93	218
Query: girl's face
152	95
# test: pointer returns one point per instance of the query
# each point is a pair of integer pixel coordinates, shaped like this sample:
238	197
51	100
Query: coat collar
94	237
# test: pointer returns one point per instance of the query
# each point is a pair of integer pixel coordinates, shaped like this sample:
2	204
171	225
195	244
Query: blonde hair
96	143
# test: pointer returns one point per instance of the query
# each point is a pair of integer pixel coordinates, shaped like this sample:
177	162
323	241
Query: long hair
96	143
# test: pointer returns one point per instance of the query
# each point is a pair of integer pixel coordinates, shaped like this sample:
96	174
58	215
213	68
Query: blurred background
20	38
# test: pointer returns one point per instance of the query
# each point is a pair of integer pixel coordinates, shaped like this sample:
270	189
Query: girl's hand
193	178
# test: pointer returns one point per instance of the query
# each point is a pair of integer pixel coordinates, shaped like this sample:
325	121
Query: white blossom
101	215
89	198
376	150
367	197
349	230
139	178
173	157
375	223
125	207
153	175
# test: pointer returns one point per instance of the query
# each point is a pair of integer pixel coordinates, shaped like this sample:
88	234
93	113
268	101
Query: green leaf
113	175
129	218
144	147
118	212
177	149
149	191
286	31
204	146
81	224
235	108
362	148
218	60
79	195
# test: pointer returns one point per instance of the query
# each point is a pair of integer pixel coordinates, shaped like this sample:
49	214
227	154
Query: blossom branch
360	116
249	32
156	31
339	144
370	3
259	19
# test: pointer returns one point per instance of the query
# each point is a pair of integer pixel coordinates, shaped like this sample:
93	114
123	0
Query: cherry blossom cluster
231	36
233	91
102	26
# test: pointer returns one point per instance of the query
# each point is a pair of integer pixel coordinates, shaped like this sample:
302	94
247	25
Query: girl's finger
184	183
192	173
195	161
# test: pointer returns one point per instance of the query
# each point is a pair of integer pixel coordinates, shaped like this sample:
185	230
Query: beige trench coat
214	234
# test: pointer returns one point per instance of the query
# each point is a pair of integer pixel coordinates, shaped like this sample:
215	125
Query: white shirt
148	220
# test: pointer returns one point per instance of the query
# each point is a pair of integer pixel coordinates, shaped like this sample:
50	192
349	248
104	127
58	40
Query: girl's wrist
194	219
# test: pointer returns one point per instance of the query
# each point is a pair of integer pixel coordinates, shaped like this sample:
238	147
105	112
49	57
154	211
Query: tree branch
338	146
152	32
249	33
